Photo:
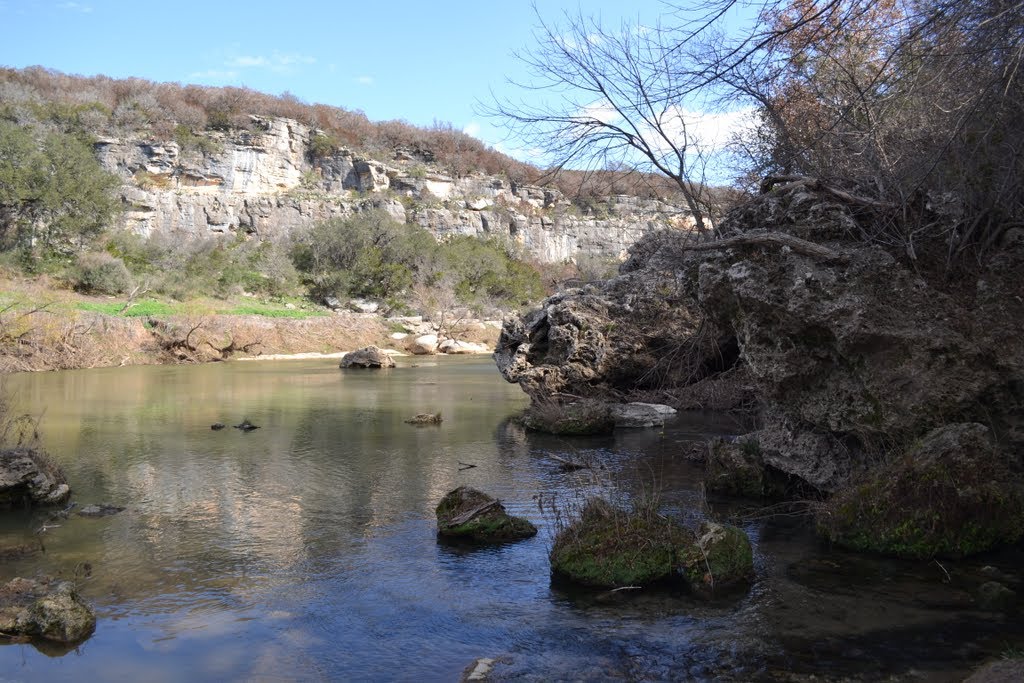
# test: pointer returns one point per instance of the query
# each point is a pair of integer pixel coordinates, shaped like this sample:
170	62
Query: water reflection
306	549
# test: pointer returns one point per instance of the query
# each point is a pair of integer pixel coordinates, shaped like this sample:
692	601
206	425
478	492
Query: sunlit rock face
267	183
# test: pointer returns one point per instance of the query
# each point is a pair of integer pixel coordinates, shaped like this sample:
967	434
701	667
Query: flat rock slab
640	415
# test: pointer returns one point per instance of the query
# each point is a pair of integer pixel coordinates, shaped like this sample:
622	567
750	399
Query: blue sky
396	59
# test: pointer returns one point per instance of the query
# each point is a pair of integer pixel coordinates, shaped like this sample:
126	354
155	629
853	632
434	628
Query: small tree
618	103
54	196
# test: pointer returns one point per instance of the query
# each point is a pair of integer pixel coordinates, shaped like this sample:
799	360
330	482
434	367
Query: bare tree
618	104
905	105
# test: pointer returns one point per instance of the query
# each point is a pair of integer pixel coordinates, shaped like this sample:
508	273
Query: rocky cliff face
852	354
267	183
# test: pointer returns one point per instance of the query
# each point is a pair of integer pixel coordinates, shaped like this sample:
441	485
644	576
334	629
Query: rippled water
305	550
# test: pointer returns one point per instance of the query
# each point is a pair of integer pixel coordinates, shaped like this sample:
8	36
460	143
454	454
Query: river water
306	550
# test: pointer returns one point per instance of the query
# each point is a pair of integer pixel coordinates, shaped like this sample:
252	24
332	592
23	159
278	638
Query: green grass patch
141	309
274	312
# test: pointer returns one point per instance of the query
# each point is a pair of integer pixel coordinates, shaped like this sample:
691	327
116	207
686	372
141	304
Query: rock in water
639	415
722	557
425	419
101	510
608	547
954	494
369	357
46	608
217	426
569	419
468	514
246	426
30	477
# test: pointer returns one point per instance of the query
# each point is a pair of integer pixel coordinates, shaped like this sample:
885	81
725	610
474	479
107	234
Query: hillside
196	162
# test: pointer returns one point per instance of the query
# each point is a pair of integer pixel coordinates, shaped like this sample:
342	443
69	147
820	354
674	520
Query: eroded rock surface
29	477
369	357
46	608
852	351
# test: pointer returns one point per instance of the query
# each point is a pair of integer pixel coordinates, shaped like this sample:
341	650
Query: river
306	550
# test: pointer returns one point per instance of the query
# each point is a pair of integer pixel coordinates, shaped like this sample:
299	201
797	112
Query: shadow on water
307	549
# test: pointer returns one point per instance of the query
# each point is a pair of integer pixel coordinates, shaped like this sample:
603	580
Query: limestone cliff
268	182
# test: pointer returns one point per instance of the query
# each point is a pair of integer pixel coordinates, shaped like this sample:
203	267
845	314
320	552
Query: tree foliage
914	105
54	196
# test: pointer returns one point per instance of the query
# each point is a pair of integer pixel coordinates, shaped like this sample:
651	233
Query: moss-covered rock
608	547
954	494
470	515
736	469
46	608
721	557
570	419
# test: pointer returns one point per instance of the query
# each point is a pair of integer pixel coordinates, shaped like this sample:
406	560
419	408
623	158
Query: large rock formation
267	182
853	353
29	477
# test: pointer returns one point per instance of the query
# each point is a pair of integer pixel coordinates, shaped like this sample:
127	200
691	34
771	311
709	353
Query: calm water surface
306	550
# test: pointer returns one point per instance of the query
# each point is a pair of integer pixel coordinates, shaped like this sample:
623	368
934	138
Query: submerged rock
425	419
569	419
995	597
721	557
46	608
468	514
101	510
29	477
368	357
608	547
954	494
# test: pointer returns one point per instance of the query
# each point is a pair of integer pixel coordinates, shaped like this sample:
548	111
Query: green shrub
101	273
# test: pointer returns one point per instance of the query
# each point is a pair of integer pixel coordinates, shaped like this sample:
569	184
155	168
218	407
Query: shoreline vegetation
43	328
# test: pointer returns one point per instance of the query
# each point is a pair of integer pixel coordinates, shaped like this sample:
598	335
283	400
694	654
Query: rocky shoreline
853	359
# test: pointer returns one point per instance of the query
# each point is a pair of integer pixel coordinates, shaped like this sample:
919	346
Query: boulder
423	345
608	547
722	557
569	419
369	357
954	494
995	597
46	608
639	415
466	514
29	477
454	346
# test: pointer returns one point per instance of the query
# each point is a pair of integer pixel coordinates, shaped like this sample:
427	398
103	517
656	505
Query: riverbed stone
722	557
471	515
579	418
995	597
30	477
954	494
45	608
423	345
638	415
609	547
100	510
368	357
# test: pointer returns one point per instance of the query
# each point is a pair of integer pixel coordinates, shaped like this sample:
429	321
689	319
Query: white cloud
75	7
277	62
472	128
365	80
213	75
